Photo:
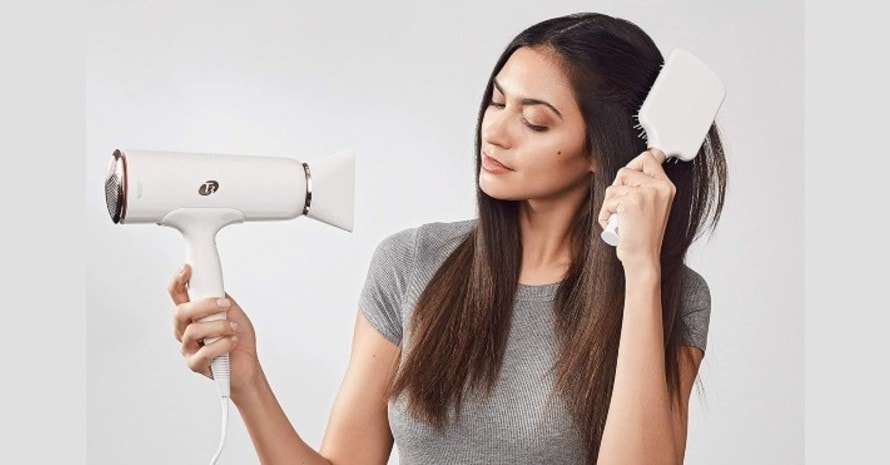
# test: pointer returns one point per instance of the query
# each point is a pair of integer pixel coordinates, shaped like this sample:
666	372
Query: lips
495	160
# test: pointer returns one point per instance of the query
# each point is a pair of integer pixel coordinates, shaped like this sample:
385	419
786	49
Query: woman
520	336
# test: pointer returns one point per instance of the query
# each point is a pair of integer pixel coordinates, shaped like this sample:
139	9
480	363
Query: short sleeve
387	282
696	309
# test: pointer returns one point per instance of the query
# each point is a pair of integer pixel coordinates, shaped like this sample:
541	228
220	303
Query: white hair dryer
198	194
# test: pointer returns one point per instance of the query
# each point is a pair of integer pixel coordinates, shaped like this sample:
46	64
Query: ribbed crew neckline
543	292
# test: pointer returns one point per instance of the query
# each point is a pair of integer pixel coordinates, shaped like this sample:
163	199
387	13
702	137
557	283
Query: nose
495	129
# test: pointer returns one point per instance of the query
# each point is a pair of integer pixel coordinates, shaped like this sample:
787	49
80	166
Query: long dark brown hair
461	321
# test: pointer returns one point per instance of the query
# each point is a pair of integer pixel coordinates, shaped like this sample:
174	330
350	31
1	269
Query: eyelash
530	126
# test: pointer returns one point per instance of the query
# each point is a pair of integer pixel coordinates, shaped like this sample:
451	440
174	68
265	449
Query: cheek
554	169
552	158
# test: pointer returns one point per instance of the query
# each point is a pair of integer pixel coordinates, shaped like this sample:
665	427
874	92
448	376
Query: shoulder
424	243
442	233
696	292
401	242
427	236
417	252
437	240
695	309
693	280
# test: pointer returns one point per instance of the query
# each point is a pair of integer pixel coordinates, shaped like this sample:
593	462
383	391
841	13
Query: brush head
681	106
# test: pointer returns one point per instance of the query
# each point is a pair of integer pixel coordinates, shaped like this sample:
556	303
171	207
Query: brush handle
610	233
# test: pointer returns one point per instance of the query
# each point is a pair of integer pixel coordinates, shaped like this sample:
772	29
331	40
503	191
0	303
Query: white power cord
220	370
225	422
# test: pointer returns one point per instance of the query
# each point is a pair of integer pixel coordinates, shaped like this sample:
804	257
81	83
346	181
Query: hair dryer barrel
145	186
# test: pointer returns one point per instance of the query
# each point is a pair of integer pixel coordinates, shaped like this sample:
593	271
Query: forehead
534	73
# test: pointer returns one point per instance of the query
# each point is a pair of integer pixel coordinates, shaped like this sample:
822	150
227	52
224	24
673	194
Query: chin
498	189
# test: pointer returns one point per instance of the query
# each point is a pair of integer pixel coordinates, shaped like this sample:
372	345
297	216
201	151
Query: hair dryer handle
198	227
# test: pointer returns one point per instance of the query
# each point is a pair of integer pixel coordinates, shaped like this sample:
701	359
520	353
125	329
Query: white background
401	83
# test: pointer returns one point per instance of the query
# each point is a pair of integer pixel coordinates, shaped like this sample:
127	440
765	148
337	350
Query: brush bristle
639	127
636	116
641	133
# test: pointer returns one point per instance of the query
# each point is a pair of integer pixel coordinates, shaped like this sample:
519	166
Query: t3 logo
208	187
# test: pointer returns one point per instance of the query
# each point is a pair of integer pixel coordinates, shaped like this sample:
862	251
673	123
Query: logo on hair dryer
208	187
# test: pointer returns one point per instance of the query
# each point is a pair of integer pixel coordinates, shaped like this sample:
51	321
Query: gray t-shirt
516	425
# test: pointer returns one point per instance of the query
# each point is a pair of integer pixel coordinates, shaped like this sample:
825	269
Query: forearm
274	438
638	427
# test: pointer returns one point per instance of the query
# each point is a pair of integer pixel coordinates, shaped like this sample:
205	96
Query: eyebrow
528	101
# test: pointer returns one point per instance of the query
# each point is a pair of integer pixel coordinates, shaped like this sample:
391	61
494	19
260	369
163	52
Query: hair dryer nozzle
331	185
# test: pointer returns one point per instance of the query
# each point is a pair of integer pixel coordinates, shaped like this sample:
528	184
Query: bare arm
358	429
643	426
273	436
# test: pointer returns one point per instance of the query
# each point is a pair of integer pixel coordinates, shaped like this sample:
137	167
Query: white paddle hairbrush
677	113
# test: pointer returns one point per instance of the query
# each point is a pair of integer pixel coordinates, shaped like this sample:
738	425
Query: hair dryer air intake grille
116	187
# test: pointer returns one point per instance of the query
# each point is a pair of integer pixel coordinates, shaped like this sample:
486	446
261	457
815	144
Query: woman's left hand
641	195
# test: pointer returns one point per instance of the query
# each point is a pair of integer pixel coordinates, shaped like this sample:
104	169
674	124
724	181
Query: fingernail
234	338
224	303
234	325
182	270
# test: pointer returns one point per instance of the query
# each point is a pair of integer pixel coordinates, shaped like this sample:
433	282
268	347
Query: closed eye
524	121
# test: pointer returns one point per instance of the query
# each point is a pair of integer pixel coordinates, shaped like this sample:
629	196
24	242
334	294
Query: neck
544	226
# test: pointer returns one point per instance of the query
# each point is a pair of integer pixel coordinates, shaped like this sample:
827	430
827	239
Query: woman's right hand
235	332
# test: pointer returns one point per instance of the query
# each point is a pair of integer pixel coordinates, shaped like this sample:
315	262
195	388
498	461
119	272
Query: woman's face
533	126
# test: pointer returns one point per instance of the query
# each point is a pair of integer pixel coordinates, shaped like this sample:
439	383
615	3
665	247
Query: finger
613	205
628	176
607	209
195	333
189	312
650	163
199	362
230	299
656	153
616	190
177	285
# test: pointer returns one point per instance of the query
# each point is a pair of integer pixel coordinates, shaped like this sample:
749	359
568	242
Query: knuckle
193	365
200	360
222	327
189	333
180	312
